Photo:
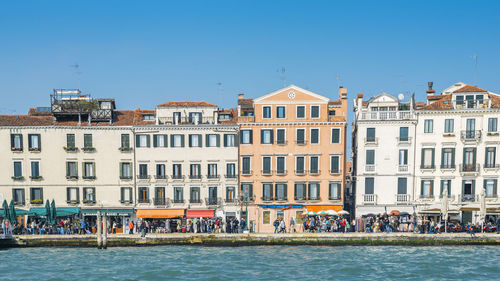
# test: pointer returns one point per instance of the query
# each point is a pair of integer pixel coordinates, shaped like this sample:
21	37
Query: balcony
195	201
246	119
177	177
281	142
426	197
186	120
178	201
467	198
36	202
300	198
387	115
301	142
18	178
314	198
144	201
469	169
231	176
34	149
267	198
74	177
335	172
448	166
402	168
161	177
124	177
125	149
73	202
246	172
70	149
88	177
369	199
369	168
314	172
470	136
157	201
300	172
490	166
16	149
267	172
280	199
471	104
212	201
213	177
230	200
281	172
403	198
403	140
88	149
370	140
143	177
450	197
334	198
427	167
195	177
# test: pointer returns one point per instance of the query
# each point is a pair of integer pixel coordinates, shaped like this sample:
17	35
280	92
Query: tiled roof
335	102
25	120
442	104
470	89
420	105
138	118
495	101
187	103
245	102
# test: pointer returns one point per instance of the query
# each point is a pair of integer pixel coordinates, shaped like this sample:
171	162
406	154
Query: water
252	263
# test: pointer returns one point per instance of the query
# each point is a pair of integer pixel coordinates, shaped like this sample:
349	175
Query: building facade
292	155
383	154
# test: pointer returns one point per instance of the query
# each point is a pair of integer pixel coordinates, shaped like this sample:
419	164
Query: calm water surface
252	263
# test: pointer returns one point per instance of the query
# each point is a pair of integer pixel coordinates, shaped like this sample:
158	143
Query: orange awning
160	213
191	214
317	208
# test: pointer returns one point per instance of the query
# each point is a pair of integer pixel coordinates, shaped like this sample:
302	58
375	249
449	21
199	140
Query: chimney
359	101
342	93
430	91
240	96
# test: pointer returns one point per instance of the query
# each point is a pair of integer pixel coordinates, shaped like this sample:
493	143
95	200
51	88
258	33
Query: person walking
292	224
282	226
131	227
276	225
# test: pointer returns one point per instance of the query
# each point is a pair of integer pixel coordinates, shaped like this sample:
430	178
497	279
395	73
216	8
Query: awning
469	209
64	212
109	212
38	212
191	214
317	208
160	213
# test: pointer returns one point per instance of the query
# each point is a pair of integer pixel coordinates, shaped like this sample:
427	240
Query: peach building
292	155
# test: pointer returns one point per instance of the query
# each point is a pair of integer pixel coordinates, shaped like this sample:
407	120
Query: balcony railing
88	149
158	201
472	135
212	201
144	200
387	115
334	198
230	176
267	198
402	168
18	178
267	172
467	198
314	172
89	177
371	140
246	172
448	166
125	149
282	198
195	177
281	172
465	168
72	177
123	177
178	201
301	142
426	196
314	198
186	120
70	149
427	167
369	198
403	198
300	198
194	201
177	177
161	177
369	168
403	139
281	142
300	172
143	177
230	200
335	172
491	166
467	104
213	176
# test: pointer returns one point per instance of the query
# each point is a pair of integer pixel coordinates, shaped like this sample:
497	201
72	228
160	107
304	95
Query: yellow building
292	155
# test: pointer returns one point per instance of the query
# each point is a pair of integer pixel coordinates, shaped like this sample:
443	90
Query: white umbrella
332	213
444	207
343	212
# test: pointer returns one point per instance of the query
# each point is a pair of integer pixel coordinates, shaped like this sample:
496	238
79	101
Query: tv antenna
76	66
282	75
219	91
337	76
474	57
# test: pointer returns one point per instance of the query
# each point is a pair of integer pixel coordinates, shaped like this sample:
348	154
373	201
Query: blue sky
144	53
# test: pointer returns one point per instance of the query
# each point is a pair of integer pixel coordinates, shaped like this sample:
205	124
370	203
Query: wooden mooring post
99	231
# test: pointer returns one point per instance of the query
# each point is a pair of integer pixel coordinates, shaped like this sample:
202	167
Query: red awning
191	214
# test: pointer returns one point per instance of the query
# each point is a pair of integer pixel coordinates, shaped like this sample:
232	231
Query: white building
457	140
383	155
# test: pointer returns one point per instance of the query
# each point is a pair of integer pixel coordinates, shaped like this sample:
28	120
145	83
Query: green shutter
93	169
155	140
165	141
182	140
463	187
200	141
285	186
148	140
433	150
121	169
218	140
453	157
422	187
137	141
442	157
272	136
495	187
225	139
39	142
473	187
207	140
422	160
474	157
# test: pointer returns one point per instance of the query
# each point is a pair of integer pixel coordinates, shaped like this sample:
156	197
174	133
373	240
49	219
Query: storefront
191	214
163	220
117	217
267	214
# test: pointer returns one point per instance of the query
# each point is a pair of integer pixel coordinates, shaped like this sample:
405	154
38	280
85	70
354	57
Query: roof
470	89
25	120
187	104
245	102
443	103
292	87
335	102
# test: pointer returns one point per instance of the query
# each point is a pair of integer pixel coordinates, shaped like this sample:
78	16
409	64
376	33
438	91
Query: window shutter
84	173
432	188
251	136
474	157
494	187
190	142
453	156
463	187
285	187
486	157
11	140
155	140
137	142
78	195
30	144
225	139
67	169
148	140
68	194
484	185
93	169
165	141
218	140
236	141
121	169
272	136
422	187
339	191
422	162
182	140
39	142
207	140
464	158
200	141
432	163
261	136
122	198
473	187
442	157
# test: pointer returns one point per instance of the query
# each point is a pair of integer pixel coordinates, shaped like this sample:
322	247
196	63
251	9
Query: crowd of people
194	225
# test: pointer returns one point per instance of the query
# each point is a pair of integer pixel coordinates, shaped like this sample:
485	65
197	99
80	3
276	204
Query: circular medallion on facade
291	95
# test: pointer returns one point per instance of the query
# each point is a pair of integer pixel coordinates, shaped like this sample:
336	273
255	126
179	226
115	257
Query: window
195	171
212	140
143	171
246	136
18	196
16	142
230	170
267	191
125	170
212	171
159	195
335	164
87	141
334	191
369	185
195	141
194	195
36	195
315	136
142	141
247	190
492	125
314	191
370	157
490	157
266	165
299	165
245	165
177	140
280	112
148	117
161	171
177	117
230	140
301	111
469	159
427	158
160	140
125	140
370	134
470	128
335	135
300	191
280	136
70	141
280	165
195	117
212	195
449	126
427	189
178	194
88	170
230	192
143	196
314	111
71	170
459	100
445	185
126	195
490	187
314	165
177	171
266	112
266	217
403	134
402	185
301	136
428	126
403	157
448	158
89	195
281	191
35	169
34	142
72	195
266	136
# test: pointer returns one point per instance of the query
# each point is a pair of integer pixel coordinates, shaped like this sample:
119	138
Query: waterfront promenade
234	240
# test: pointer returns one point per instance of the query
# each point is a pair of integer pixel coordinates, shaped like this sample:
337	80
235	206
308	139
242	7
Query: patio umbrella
332	213
370	215
322	213
394	213
404	214
444	208
311	213
12	211
5	207
53	215
343	212
47	210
